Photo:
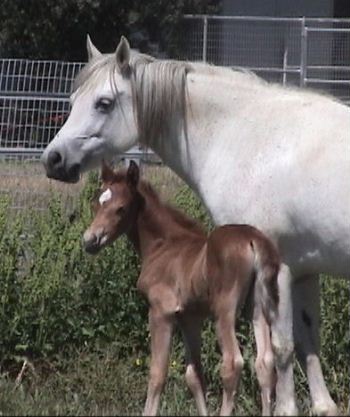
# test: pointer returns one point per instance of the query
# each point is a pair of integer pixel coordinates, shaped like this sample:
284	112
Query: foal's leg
306	298
283	346
161	331
232	360
264	364
191	327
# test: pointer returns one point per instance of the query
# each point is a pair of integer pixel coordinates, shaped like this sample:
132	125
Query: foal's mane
161	209
158	208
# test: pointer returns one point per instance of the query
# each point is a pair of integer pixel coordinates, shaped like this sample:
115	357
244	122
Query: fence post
285	65
303	53
205	38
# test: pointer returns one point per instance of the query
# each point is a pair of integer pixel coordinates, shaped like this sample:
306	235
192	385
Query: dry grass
28	186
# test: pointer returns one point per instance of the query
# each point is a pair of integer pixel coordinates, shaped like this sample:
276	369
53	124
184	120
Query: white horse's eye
104	105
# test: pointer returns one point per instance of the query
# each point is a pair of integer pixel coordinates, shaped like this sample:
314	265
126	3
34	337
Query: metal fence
34	95
34	103
302	51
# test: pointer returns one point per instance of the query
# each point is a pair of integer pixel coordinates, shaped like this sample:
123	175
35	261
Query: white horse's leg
283	346
306	304
264	363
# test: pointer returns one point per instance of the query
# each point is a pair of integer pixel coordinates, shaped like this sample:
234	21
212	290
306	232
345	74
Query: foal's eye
104	105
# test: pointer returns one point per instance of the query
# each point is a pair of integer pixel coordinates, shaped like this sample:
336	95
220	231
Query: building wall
279	8
265	44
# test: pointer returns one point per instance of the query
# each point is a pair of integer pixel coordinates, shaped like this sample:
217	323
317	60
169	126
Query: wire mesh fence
37	77
30	122
298	51
328	60
34	95
34	102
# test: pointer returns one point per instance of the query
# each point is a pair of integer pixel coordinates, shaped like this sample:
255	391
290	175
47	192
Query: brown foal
186	276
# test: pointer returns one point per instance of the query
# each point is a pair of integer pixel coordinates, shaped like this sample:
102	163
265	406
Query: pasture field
74	338
26	184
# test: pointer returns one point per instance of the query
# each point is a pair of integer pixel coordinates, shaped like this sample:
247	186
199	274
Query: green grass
99	383
97	380
82	326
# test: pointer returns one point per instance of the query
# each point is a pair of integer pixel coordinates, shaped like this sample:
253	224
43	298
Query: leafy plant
57	301
33	29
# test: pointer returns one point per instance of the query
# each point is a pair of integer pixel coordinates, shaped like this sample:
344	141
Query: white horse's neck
246	139
213	96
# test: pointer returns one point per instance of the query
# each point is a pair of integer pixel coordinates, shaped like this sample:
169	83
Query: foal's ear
107	173
123	55
133	175
92	51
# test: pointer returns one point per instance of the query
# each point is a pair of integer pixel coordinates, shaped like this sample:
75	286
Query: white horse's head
102	110
119	99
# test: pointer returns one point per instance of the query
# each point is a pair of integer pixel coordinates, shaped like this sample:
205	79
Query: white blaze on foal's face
105	196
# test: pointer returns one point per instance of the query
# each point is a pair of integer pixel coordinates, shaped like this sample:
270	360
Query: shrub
63	297
55	298
11	252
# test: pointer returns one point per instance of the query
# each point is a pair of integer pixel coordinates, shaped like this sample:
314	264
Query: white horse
281	158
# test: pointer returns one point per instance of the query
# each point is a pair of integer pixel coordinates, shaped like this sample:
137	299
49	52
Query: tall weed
55	299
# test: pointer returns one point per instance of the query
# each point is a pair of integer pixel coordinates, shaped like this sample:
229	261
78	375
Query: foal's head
115	208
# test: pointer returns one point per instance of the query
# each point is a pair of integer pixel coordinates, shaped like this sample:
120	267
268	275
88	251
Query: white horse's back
286	166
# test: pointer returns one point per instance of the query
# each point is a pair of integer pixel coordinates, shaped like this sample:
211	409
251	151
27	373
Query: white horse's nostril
54	159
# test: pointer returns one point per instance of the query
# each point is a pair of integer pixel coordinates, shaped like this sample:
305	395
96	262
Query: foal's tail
267	266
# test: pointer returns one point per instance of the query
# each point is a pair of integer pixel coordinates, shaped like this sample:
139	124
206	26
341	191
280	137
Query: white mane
159	89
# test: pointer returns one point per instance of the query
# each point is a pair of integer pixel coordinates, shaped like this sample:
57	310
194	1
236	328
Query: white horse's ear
92	51
123	55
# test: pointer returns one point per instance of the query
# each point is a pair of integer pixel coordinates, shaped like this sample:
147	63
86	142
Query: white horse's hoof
286	409
322	408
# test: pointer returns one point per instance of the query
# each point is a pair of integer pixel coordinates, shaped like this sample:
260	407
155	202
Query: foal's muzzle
93	242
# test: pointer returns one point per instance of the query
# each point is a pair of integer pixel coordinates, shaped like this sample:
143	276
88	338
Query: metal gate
34	95
328	73
301	51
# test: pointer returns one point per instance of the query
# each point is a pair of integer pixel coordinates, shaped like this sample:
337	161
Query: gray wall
258	44
279	8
